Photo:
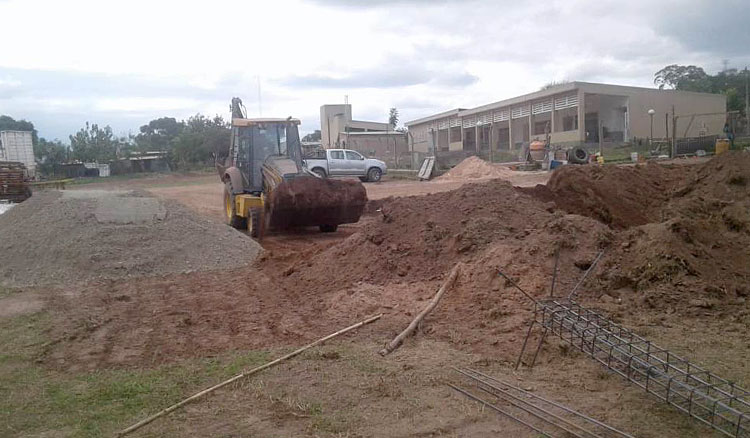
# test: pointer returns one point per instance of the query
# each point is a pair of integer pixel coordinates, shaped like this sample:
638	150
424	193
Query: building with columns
574	114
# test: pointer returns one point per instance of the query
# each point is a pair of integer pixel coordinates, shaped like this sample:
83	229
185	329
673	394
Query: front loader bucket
306	200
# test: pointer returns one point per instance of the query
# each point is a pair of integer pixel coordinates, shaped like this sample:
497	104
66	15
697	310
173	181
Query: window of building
541	127
570	123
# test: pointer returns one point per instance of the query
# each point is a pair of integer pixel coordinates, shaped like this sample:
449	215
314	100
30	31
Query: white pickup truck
346	162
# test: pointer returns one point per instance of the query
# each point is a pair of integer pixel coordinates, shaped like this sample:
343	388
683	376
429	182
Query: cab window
337	155
351	155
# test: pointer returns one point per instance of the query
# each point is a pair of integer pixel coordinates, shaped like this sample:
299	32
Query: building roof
555	89
452	112
374	133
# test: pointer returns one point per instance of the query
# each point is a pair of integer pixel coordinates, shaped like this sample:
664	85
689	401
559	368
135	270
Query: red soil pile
312	201
621	197
701	246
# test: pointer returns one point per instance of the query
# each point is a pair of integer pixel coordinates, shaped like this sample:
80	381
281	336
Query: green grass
35	399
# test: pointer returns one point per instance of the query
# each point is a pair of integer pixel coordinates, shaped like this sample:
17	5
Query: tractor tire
374	174
578	155
255	223
230	207
328	228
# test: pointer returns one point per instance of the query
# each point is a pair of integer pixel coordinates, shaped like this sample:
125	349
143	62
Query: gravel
54	239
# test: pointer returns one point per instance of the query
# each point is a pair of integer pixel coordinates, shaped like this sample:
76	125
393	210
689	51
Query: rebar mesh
704	396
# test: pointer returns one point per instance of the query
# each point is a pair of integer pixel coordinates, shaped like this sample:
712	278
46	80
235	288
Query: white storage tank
17	146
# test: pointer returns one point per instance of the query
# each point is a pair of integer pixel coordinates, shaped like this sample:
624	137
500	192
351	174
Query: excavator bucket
307	200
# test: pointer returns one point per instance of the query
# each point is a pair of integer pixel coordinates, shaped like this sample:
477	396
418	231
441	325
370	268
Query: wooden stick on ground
244	374
447	284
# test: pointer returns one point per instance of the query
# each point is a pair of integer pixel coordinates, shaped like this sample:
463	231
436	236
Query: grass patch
35	400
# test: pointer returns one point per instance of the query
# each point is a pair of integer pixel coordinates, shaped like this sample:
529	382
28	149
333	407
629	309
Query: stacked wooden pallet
13	186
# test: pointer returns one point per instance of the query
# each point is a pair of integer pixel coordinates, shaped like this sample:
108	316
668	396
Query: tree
50	155
95	144
683	77
8	123
201	139
551	84
158	134
313	136
393	117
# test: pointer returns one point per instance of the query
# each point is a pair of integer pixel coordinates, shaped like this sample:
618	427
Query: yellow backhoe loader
267	185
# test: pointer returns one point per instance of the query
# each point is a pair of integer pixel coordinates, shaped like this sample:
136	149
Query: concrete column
476	138
552	117
531	124
461	127
492	137
581	116
510	129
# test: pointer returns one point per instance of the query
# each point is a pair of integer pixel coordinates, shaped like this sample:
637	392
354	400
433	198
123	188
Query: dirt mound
84	235
393	264
701	245
621	197
475	168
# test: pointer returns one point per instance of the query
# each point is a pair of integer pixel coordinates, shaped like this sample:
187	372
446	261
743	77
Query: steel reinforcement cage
701	394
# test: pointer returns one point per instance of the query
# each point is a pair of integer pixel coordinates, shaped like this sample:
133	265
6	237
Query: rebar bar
551	403
527	406
572	293
501	411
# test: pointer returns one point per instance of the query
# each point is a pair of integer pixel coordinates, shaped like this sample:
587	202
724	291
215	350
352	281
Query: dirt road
204	193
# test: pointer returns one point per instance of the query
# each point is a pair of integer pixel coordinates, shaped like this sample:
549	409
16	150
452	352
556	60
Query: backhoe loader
266	184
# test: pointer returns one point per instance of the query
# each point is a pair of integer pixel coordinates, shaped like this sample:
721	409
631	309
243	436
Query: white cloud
123	63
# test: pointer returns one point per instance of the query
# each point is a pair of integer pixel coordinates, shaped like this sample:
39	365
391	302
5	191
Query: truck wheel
320	172
363	178
233	220
374	174
328	228
255	223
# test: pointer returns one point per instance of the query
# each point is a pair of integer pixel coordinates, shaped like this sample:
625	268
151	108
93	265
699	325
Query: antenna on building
260	102
346	99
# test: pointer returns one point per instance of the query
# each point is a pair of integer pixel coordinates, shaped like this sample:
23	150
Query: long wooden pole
396	342
244	374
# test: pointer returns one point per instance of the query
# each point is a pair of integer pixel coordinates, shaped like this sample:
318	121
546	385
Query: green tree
50	155
95	144
8	123
683	77
393	117
159	134
552	84
200	140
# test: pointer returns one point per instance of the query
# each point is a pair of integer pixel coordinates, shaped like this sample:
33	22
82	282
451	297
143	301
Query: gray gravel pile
65	237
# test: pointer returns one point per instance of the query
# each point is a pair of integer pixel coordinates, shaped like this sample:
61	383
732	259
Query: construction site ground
87	355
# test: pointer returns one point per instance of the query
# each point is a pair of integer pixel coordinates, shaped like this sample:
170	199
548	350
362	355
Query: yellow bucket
722	145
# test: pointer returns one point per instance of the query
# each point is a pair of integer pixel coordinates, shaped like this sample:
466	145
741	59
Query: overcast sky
123	63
